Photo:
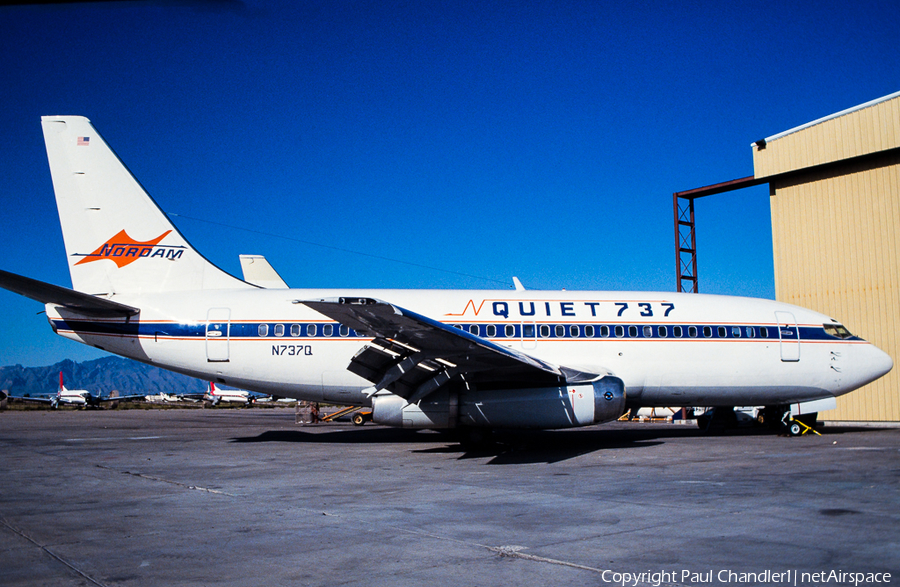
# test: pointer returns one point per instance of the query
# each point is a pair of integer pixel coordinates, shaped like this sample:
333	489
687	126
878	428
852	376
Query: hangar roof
866	129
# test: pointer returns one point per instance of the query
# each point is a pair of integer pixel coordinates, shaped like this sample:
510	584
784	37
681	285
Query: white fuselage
236	397
76	397
669	349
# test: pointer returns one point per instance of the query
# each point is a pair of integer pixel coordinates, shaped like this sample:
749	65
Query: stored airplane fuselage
420	358
669	349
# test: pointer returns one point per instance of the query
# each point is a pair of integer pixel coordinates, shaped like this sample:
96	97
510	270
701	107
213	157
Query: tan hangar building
834	187
834	190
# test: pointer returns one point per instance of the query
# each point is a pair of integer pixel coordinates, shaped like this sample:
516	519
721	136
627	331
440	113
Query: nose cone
882	362
870	363
862	364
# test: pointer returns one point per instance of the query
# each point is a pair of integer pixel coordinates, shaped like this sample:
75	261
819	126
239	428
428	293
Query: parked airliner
236	396
420	358
81	398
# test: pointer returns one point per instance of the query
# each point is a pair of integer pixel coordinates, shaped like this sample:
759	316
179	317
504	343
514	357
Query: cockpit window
837	331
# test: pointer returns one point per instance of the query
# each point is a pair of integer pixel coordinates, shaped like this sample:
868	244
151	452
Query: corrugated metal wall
836	235
859	132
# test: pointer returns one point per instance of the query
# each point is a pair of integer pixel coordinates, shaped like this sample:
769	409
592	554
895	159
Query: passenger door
789	336
218	331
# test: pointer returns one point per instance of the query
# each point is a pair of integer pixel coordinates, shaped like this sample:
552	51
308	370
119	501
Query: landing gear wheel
795	428
703	422
358	419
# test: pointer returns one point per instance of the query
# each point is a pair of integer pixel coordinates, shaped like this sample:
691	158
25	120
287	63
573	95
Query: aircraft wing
77	301
43	400
412	355
121	397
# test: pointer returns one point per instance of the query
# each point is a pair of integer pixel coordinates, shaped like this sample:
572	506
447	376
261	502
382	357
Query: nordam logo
124	250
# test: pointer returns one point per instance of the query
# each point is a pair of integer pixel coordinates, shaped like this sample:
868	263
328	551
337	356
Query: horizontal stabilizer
48	293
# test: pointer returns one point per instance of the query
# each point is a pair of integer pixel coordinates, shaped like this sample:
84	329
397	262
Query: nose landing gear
800	425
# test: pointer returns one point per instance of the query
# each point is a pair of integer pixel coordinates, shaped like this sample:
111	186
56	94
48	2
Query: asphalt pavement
247	497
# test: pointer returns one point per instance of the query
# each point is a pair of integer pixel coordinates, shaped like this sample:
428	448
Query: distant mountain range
100	376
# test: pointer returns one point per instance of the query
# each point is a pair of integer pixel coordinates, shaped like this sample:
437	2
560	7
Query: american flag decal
84	141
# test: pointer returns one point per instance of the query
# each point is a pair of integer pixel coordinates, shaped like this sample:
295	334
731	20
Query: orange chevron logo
124	250
471	304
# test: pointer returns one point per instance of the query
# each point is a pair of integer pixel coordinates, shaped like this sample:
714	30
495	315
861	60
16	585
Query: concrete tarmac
247	497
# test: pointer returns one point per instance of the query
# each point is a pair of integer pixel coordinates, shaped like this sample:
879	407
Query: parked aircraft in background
238	396
76	397
419	358
166	398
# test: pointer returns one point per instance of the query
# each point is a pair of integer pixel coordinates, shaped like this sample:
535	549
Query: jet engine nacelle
566	406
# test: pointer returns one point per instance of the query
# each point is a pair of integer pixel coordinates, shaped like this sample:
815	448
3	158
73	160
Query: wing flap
412	355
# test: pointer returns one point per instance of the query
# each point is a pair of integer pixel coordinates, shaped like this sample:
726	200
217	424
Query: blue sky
471	141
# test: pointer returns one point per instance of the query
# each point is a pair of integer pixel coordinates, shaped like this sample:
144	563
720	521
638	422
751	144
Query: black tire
358	419
703	422
795	428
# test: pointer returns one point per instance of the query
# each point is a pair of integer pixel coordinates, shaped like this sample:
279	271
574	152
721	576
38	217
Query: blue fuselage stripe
327	330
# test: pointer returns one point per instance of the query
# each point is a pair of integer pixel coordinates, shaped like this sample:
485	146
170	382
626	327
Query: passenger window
310	330
343	330
458	326
677	332
620	331
763	332
736	331
545	331
632	331
560	331
295	330
328	330
573	331
722	331
648	331
279	330
604	331
692	331
707	331
663	331
473	329
589	331
528	331
510	330
263	329
491	330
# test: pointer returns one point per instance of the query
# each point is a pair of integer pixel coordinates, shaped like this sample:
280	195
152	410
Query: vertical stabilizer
117	239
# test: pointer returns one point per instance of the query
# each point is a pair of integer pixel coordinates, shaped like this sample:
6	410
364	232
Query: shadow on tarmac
515	447
506	446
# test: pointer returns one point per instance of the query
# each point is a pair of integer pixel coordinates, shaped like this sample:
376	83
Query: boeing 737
419	358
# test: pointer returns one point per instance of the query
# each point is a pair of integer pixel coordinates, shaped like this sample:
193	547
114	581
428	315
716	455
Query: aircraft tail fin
117	239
